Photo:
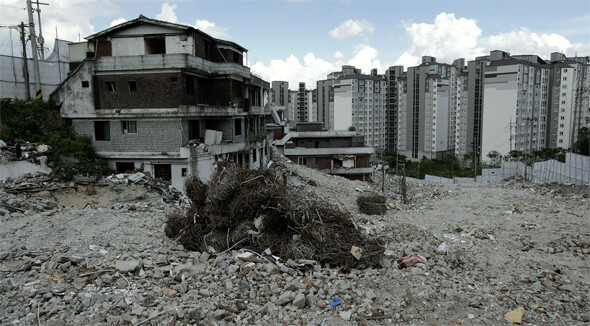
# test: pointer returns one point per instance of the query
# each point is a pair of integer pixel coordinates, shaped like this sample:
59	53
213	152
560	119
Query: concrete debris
62	257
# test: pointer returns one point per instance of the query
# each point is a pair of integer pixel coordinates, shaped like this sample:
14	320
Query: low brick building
340	153
166	98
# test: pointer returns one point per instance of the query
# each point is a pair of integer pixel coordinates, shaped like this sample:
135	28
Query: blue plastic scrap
335	303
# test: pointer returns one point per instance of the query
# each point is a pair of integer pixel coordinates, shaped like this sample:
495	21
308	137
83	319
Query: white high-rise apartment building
360	101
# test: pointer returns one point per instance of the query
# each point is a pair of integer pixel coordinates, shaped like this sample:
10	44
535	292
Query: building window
102	130
109	86
302	161
155	45
189	85
238	127
132	85
85	84
173	79
129	127
183	172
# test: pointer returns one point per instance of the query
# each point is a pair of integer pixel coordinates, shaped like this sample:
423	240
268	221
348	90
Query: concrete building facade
167	99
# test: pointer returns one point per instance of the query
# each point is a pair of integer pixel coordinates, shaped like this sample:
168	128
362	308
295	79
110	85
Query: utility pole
41	40
573	135
38	93
526	141
510	127
25	61
474	147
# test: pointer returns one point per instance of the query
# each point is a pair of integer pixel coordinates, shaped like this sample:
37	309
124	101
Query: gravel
67	258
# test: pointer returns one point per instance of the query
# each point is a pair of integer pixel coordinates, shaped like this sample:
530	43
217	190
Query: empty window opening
163	171
194	130
189	84
125	167
129	127
132	85
85	84
173	79
109	86
238	127
102	130
183	172
155	45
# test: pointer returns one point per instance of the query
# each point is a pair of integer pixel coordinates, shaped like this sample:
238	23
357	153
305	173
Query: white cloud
352	28
70	17
365	58
450	38
338	55
117	22
524	41
312	69
167	13
447	39
212	29
294	71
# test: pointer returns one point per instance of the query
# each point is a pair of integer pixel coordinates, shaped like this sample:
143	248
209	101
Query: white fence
575	170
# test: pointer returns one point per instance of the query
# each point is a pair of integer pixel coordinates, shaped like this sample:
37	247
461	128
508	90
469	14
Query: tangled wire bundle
255	209
372	205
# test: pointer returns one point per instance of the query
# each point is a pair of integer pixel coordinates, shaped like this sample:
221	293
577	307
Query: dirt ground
490	248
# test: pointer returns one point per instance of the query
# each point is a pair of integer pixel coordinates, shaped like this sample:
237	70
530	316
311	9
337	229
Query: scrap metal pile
255	209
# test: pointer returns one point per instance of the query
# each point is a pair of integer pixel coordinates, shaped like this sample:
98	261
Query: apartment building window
132	85
129	127
109	86
102	130
302	161
189	83
238	127
85	84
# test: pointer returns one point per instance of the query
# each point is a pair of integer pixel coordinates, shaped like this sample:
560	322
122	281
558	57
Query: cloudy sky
304	40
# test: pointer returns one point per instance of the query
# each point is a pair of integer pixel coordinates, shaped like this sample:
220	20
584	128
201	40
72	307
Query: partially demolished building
342	153
165	98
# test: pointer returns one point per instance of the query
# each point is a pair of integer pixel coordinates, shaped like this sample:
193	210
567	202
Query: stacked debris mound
255	209
372	205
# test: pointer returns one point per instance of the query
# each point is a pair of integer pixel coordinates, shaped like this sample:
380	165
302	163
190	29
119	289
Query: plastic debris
416	264
335	303
442	248
515	316
356	252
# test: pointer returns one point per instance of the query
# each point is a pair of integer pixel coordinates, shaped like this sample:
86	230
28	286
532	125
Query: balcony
169	61
300	151
343	171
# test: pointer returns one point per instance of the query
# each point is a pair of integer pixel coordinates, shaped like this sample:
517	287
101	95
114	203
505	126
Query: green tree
352	128
583	143
495	158
39	121
28	119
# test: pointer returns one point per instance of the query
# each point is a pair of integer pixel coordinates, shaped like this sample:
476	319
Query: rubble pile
463	254
255	209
